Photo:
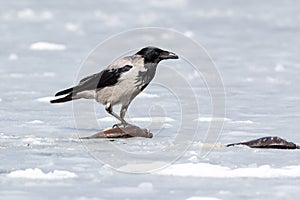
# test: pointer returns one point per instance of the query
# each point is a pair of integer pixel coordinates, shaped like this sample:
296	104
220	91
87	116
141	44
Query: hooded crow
120	82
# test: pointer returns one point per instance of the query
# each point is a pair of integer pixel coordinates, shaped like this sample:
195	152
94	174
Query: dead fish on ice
122	132
269	143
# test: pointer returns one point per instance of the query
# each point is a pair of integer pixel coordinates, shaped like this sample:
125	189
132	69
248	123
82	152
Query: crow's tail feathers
63	99
66	91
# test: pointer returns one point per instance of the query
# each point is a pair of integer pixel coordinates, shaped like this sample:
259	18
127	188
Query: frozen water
71	27
217	171
255	47
44	46
146	95
13	56
39	174
202	198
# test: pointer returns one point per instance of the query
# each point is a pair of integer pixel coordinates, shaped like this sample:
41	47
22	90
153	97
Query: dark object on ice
119	132
268	143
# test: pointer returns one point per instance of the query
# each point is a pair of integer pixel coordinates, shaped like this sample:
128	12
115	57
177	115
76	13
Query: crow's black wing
107	77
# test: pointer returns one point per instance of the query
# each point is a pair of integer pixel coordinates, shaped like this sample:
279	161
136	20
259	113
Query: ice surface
140	119
279	68
39	174
13	56
29	14
44	99
226	120
255	48
216	171
202	198
71	27
47	46
35	122
147	95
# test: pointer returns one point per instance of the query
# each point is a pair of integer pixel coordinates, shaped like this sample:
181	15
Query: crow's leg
109	109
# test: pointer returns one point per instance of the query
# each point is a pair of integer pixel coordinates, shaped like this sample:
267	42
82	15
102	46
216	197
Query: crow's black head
155	55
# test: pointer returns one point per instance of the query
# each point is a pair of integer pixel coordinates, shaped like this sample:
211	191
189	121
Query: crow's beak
168	55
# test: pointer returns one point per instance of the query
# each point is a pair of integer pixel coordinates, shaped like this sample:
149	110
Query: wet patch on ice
216	171
47	46
37	173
